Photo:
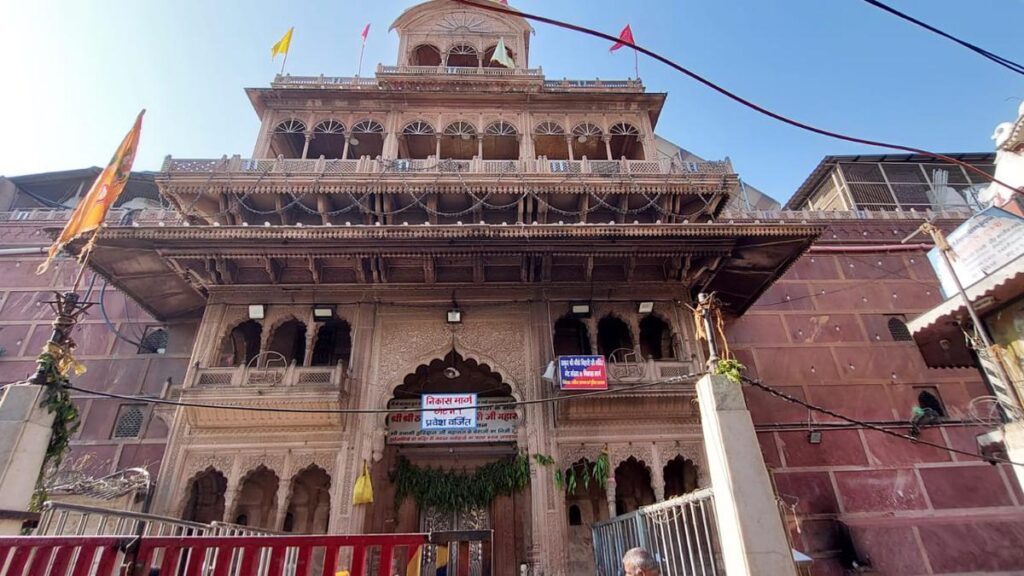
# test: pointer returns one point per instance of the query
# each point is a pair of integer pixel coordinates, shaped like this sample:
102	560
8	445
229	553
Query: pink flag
366	32
625	36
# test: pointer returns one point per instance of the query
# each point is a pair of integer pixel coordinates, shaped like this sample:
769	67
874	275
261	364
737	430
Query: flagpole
84	258
283	63
636	63
359	73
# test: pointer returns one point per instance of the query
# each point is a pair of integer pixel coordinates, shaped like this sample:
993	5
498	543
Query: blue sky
75	75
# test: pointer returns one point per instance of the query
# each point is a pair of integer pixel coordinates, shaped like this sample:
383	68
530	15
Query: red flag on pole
366	32
625	36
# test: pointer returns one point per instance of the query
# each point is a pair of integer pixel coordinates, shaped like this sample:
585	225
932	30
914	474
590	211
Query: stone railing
321	81
257	377
367	165
457	71
627	372
567	85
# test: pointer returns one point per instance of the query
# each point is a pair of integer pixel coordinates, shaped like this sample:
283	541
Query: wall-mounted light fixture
580	309
257	311
454	316
814	437
323	312
645	307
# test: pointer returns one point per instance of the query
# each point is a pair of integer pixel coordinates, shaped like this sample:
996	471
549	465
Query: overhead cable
494	7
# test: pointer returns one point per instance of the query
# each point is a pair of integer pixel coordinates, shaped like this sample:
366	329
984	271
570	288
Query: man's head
639	562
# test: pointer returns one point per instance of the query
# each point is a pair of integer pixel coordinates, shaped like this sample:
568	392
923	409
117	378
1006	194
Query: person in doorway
639	562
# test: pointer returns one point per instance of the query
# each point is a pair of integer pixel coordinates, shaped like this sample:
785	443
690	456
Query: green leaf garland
452	491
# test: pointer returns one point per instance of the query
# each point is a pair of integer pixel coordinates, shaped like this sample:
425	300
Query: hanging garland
452	491
54	364
580	472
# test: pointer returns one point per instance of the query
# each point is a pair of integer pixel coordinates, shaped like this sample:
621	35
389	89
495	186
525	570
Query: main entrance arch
453	452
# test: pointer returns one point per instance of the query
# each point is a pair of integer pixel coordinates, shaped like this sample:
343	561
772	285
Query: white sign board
496	421
449	412
983	244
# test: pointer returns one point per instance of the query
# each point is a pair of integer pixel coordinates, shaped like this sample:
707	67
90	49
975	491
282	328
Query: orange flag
92	210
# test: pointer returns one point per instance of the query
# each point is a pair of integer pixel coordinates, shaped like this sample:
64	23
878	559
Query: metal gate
681	533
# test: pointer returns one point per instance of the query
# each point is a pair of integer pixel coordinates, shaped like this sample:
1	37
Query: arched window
898	330
418	141
928	401
489	61
655	338
613	335
425	55
333	343
367	139
571	338
289	340
241	344
289	138
501	141
575	516
154	342
625	142
632	486
129	421
587	141
310	502
257	498
328	140
459	142
549	141
463	56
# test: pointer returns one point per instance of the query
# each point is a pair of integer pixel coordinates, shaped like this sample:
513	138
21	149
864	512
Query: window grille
460	129
549	129
292	126
154	341
129	422
586	129
501	128
898	330
368	127
329	127
623	129
418	128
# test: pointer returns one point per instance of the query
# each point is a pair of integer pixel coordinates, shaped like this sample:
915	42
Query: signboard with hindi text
494	423
448	412
983	244
582	373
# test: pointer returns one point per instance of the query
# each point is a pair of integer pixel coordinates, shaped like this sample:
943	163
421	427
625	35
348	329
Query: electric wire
779	394
494	7
1004	62
512	404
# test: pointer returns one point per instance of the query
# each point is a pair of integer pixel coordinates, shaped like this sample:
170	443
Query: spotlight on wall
580	309
323	312
454	316
814	437
645	307
581	139
257	311
353	141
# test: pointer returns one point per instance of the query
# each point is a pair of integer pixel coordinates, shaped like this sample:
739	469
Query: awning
1006	283
938	332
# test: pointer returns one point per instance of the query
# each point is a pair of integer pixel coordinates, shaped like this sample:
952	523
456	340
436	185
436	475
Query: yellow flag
362	492
92	209
282	45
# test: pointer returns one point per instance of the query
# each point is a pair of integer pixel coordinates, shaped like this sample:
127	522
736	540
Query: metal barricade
681	533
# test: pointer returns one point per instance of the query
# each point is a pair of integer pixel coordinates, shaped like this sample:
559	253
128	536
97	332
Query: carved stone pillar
305	145
568	142
283	488
608	146
609	493
344	151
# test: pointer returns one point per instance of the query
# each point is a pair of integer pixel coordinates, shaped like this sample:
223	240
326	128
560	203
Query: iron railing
681	533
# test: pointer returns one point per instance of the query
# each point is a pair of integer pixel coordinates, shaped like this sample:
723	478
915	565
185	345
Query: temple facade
453	225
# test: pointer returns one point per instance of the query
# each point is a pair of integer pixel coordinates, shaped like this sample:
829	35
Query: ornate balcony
368	166
268	377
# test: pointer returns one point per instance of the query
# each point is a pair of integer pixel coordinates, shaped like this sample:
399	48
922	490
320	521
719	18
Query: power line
494	7
1004	62
513	404
779	394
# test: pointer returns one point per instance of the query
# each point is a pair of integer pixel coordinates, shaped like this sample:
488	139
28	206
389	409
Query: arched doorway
632	486
680	477
205	502
289	340
257	499
460	453
309	507
586	503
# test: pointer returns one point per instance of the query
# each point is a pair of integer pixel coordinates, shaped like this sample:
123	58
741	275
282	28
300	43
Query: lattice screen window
154	341
129	421
898	330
